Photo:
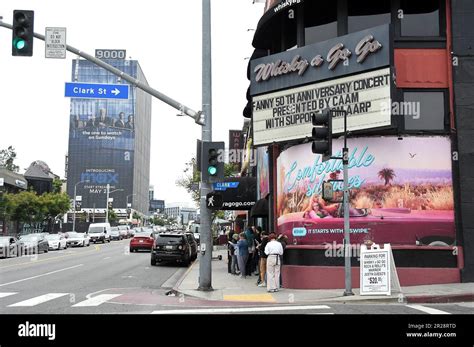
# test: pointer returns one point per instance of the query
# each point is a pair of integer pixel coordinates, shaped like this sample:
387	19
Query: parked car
56	241
174	246
142	240
124	231
115	233
99	232
34	243
77	239
10	246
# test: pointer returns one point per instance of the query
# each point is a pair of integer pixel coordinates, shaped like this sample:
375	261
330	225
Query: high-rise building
109	143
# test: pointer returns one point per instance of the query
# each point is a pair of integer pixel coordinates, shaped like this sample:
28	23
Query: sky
165	37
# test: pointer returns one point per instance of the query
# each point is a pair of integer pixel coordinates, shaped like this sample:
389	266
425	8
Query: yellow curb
250	298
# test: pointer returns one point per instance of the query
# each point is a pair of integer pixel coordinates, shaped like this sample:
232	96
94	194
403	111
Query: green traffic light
19	43
212	170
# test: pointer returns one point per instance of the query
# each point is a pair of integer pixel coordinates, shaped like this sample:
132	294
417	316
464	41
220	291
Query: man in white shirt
274	250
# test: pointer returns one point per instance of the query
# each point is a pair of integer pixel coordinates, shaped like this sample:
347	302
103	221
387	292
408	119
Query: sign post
378	275
55	43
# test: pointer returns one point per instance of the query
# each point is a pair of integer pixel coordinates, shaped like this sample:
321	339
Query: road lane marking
33	262
97	300
244	309
38	300
106	258
427	309
45	274
4	295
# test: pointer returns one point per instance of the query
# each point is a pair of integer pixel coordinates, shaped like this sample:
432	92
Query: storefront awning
260	209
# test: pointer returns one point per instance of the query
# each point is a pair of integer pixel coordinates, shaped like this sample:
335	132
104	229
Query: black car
174	246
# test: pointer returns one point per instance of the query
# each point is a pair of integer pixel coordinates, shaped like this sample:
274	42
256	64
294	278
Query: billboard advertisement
400	192
286	115
263	173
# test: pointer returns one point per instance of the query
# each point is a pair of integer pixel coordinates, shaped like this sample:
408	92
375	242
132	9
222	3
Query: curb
439	299
174	289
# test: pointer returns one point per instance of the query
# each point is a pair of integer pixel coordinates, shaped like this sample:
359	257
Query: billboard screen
286	115
263	173
101	141
400	192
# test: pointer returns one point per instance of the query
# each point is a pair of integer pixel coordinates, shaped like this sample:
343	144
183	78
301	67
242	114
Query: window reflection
368	14
420	18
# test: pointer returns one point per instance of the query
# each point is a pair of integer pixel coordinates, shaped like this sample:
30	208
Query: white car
77	239
56	241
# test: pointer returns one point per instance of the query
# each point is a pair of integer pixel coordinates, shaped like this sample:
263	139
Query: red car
142	240
384	225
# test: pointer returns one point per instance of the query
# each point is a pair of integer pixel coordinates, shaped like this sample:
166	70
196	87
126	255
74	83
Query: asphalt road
60	282
107	279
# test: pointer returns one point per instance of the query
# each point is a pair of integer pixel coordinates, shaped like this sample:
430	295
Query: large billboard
286	115
101	141
400	192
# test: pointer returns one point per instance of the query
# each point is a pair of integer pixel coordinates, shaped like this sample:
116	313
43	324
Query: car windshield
52	237
95	230
163	239
143	234
72	234
114	232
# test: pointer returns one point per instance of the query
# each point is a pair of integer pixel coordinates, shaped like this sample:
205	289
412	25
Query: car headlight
180	247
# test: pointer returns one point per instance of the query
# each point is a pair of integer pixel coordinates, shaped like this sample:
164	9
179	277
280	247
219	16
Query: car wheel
153	262
131	250
439	244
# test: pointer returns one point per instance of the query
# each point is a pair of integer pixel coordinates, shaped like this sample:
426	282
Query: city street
106	279
64	281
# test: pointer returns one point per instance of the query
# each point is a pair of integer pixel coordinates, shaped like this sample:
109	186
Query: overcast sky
165	37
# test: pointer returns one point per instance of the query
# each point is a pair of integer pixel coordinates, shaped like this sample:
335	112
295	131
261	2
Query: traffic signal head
212	161
22	33
322	134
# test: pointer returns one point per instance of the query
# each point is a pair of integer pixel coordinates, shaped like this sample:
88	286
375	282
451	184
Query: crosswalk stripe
428	309
96	300
244	309
4	295
38	300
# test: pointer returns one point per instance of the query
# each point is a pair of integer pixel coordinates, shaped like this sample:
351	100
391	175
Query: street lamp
107	202
74	208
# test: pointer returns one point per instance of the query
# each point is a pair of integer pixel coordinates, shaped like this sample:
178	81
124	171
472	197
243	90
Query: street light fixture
107	202
74	208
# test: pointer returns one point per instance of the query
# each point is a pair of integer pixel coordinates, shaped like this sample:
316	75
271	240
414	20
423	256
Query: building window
367	14
420	18
320	25
424	110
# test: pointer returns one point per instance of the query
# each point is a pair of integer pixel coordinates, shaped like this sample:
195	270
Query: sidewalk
233	288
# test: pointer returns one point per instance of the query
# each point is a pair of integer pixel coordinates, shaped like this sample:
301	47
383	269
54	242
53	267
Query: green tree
24	207
7	157
57	185
192	176
112	216
53	205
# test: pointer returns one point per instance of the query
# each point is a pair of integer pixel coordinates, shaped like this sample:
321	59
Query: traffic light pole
347	237
205	262
198	117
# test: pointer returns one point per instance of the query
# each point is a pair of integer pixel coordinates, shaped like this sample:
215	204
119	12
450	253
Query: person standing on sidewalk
262	282
273	250
234	252
243	254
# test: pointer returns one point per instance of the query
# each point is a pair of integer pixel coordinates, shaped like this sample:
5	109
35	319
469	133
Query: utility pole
107	204
347	229
205	262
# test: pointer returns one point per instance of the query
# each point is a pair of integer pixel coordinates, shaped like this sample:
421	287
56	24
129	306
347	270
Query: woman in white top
274	250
